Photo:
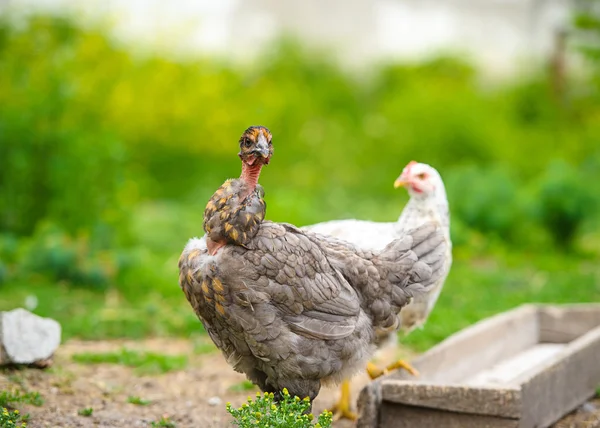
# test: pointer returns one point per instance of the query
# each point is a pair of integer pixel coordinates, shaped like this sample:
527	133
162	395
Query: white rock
214	401
26	337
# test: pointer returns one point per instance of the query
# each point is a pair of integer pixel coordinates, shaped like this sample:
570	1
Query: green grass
10	398
87	412
245	385
164	422
144	362
481	283
96	315
133	399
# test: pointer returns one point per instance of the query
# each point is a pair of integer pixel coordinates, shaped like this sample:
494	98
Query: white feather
196	244
204	257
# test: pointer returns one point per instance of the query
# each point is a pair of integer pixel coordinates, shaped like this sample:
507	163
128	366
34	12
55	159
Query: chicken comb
410	165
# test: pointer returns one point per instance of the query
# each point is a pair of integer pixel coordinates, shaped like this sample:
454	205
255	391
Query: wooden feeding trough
523	368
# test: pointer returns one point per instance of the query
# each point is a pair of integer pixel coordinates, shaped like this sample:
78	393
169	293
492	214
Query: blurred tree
58	160
107	149
587	24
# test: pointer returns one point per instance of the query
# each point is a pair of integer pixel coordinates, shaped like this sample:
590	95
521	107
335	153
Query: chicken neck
250	174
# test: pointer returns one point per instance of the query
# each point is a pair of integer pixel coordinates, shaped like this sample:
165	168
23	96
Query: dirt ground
194	397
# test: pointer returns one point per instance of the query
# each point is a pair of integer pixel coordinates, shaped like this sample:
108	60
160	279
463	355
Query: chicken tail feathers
414	262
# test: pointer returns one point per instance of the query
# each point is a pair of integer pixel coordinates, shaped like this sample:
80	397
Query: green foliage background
108	157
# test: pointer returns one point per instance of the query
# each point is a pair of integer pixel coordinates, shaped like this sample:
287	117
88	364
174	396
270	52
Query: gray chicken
294	309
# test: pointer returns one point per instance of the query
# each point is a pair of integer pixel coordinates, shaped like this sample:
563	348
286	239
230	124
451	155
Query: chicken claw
375	372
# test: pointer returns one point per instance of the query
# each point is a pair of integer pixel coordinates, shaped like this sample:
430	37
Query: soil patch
193	397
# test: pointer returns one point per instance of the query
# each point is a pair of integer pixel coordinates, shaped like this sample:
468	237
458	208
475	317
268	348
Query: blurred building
497	34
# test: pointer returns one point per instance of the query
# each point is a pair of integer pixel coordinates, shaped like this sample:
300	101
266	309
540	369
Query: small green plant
7	398
290	412
242	386
11	419
85	412
144	362
163	422
134	399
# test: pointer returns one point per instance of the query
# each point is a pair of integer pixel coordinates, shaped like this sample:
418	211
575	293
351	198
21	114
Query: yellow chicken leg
375	372
341	410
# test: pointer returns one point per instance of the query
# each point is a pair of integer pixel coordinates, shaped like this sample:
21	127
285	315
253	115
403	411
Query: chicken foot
375	372
342	409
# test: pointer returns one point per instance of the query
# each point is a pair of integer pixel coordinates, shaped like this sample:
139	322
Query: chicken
427	202
293	309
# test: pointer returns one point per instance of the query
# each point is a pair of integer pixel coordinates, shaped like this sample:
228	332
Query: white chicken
428	202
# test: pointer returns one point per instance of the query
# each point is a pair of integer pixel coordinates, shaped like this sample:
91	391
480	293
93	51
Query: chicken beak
261	150
400	182
262	147
264	152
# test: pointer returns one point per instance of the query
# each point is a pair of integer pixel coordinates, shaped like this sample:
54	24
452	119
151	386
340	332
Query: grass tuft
133	399
9	398
85	412
144	362
163	422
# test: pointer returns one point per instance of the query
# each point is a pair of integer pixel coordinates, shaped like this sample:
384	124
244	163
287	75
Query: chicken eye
247	142
422	176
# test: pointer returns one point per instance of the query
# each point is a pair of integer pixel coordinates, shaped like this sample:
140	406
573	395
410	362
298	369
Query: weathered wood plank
492	401
403	416
560	324
508	371
553	383
559	386
369	404
478	347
